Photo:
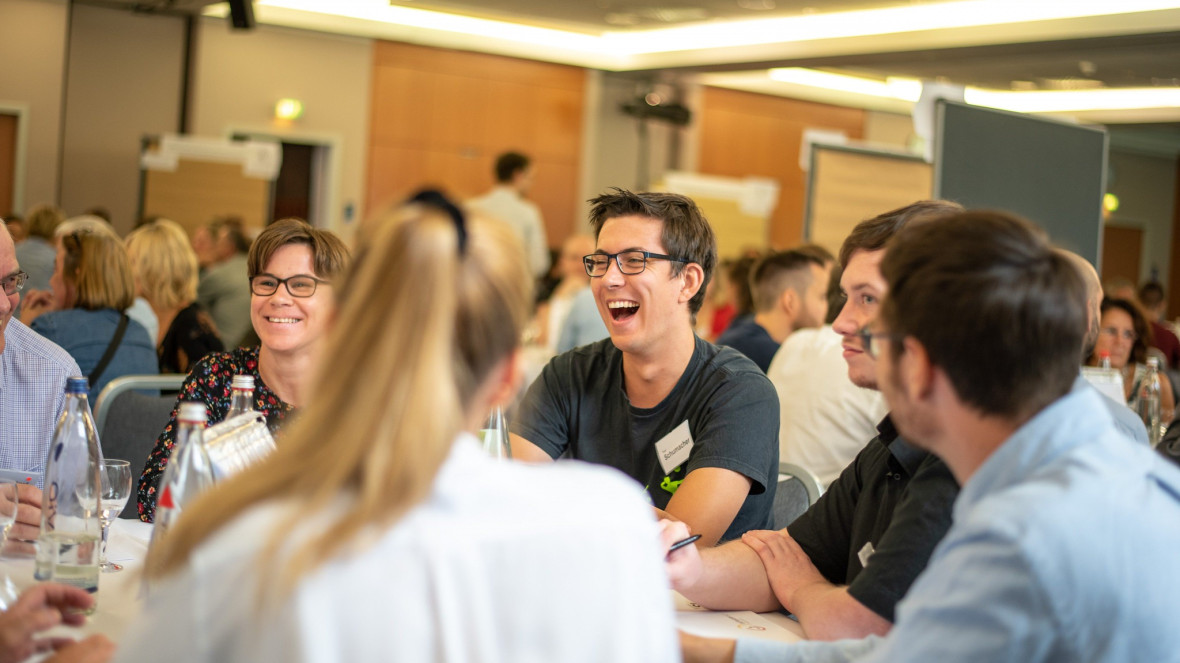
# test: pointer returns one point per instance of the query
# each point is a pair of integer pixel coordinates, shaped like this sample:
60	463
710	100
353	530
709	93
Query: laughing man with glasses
696	424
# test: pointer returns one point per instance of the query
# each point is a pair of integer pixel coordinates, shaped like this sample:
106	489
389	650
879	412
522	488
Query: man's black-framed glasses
300	285
872	342
14	283
629	262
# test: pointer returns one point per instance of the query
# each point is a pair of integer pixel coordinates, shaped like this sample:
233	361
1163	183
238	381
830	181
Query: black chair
797	490
129	422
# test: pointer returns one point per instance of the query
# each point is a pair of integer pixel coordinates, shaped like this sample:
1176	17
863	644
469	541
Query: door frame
21	111
325	169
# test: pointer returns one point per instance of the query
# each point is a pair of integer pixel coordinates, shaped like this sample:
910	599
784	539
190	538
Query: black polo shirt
893	496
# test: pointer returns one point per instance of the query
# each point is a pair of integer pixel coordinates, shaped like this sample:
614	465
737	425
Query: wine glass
116	488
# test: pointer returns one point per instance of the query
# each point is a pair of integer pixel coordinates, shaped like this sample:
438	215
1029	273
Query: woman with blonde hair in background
83	311
166	274
379	530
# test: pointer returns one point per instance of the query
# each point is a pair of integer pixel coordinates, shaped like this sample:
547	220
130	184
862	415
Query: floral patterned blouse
208	383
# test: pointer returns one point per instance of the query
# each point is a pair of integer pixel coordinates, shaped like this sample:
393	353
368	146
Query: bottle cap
1104	354
77	385
192	411
243	382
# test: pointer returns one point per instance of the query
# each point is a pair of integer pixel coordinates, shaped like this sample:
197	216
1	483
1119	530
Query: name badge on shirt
865	553
673	448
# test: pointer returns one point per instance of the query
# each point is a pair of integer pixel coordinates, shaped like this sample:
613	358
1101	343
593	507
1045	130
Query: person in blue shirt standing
1063	525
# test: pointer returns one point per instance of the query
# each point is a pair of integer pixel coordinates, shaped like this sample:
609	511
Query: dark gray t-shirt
578	407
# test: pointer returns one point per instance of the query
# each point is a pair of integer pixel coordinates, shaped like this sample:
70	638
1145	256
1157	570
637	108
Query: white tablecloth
694	619
120	596
119	593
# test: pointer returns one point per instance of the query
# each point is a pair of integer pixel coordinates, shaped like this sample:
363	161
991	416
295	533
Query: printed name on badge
673	448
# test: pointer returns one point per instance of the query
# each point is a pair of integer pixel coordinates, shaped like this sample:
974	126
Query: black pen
682	542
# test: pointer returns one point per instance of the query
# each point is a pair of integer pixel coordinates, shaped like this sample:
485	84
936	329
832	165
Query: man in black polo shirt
842	566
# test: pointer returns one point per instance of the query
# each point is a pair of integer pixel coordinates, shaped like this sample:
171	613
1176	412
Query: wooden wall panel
1122	249
8	164
440	117
201	190
742	133
849	186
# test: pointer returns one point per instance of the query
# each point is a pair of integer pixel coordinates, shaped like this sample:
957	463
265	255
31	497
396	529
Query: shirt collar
906	454
1071	420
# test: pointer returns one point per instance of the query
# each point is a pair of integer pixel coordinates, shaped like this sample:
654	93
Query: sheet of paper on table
694	619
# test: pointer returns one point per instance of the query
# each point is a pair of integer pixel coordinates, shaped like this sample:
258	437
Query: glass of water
9	501
116	488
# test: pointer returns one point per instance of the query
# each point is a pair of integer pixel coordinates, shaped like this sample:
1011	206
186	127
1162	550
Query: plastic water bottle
1149	401
188	473
71	528
242	396
494	435
1104	360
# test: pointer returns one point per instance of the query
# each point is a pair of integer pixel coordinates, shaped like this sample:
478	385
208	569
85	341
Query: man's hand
788	568
95	649
684	565
34	303
696	649
39	608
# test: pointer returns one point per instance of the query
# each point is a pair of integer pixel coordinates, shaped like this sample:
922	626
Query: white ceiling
1106	44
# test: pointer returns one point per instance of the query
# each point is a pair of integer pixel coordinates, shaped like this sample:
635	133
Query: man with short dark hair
1063	534
859	547
789	289
506	202
695	423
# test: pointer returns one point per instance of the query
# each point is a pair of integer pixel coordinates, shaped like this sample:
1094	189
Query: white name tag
674	448
865	553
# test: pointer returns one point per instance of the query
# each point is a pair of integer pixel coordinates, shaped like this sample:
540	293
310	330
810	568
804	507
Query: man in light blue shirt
1065	532
33	374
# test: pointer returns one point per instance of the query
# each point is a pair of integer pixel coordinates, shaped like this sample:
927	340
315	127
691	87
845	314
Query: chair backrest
129	422
797	490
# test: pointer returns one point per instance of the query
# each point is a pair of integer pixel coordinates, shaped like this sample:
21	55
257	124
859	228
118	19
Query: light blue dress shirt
33	374
1125	420
1063	548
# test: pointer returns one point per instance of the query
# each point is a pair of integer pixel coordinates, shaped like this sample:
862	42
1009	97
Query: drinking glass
9	501
494	435
116	488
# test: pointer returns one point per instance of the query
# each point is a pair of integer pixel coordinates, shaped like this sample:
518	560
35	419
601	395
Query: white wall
125	77
612	138
32	53
239	75
1146	187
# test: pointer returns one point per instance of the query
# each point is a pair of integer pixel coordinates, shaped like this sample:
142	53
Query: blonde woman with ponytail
379	530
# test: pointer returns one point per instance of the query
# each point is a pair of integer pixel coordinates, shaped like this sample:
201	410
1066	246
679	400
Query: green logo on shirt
669	485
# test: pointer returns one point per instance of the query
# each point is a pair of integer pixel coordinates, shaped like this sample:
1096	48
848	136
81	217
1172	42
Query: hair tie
436	199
